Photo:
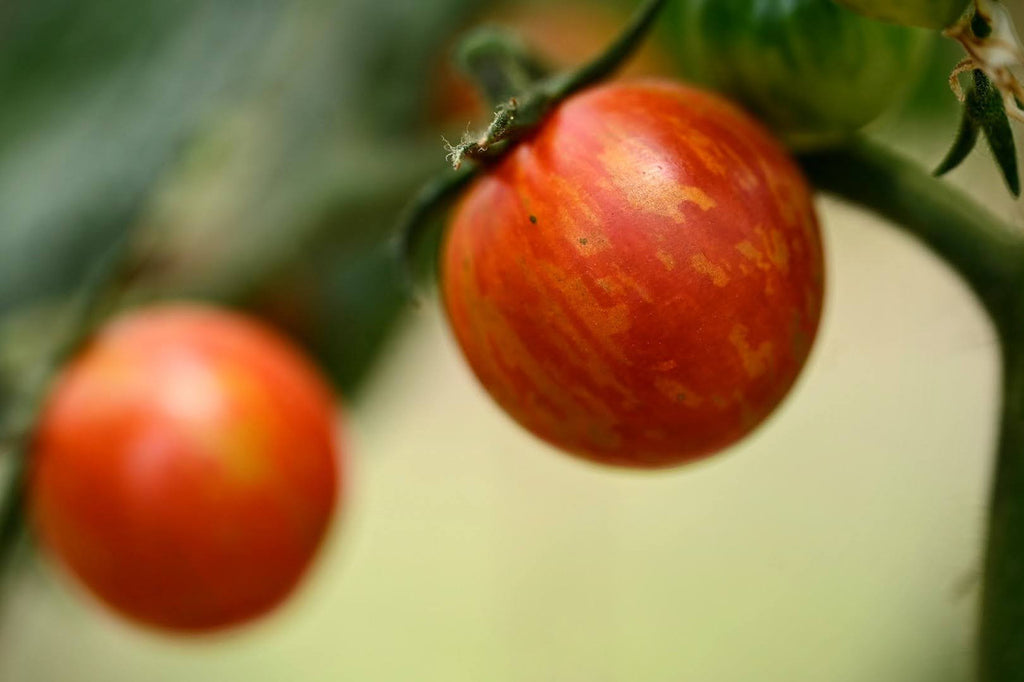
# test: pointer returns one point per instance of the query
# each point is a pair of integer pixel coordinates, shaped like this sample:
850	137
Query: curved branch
990	256
988	253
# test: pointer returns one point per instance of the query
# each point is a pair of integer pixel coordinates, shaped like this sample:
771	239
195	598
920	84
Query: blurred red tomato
185	467
639	282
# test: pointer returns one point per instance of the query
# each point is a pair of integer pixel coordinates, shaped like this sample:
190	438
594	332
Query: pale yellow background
837	545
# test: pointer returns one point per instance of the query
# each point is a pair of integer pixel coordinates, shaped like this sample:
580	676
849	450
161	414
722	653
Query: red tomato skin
641	281
185	467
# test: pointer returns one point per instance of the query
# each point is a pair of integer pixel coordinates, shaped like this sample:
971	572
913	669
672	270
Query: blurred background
264	150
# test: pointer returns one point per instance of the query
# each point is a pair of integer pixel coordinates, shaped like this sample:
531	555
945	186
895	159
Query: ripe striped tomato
640	282
184	468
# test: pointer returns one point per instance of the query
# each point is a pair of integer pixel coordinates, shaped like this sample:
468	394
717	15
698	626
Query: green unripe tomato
935	14
813	71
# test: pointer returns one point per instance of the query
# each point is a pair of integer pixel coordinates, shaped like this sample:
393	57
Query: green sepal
499	63
1000	141
963	145
989	111
985	111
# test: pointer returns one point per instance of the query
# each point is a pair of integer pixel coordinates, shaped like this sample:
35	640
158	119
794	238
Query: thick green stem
524	111
990	257
986	252
504	69
499	63
613	57
1001	643
430	201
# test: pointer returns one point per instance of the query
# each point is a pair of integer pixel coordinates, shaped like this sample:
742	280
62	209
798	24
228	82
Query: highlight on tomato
186	467
814	71
640	281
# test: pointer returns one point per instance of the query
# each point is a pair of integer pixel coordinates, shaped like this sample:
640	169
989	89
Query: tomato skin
184	468
814	71
934	14
640	282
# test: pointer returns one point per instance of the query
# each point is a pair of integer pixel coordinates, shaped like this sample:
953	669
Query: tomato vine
989	255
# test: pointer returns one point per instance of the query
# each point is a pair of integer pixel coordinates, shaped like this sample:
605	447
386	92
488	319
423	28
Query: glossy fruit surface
185	468
814	71
936	14
641	281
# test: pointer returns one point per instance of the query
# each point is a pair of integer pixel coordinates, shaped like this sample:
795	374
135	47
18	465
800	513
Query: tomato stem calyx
499	63
992	46
993	50
984	112
521	112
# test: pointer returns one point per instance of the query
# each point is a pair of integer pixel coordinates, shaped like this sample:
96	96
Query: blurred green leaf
253	137
98	97
305	177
